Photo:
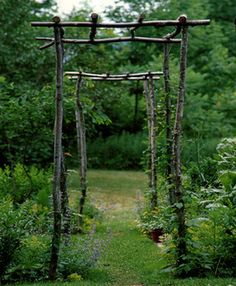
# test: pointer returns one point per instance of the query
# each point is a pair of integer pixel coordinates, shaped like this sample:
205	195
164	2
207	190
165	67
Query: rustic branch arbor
148	79
181	26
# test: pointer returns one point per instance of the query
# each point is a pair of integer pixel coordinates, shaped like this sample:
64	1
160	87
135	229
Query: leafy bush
14	225
24	183
150	220
79	256
124	151
31	260
91	216
211	225
26	124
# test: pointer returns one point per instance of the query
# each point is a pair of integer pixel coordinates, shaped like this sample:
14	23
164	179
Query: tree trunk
168	122
57	155
81	143
148	110
153	129
179	202
66	213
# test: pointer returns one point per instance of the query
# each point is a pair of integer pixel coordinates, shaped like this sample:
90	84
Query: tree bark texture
66	213
81	143
57	155
148	110
179	202
169	167
153	134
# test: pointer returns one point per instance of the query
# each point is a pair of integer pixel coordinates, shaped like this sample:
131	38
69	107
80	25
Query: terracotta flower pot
155	234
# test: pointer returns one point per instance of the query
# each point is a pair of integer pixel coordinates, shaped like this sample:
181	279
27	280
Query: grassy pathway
129	259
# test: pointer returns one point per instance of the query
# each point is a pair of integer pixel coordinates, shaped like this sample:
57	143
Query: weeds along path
129	257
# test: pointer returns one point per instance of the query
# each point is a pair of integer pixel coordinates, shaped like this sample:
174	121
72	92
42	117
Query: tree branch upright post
58	33
65	209
148	110
153	127
82	152
166	74
181	246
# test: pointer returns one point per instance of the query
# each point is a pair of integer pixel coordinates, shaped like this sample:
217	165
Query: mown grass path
128	258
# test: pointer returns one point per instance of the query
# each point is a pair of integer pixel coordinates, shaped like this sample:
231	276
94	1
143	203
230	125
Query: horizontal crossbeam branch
114	40
107	75
116	79
157	24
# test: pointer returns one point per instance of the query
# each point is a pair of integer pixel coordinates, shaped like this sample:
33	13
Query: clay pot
155	234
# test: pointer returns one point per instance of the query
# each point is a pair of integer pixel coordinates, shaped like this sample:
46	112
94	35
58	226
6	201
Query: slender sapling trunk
55	247
181	246
153	134
169	167
81	143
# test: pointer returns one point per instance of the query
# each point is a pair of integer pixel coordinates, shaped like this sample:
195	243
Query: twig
47	45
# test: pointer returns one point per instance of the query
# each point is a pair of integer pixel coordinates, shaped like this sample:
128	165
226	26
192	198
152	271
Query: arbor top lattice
181	21
94	25
115	77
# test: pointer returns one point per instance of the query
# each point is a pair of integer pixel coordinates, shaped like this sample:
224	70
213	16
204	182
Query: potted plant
151	223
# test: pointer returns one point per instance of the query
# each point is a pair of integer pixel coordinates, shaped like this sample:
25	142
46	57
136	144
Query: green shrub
15	223
91	216
211	236
31	260
24	183
124	151
79	256
150	220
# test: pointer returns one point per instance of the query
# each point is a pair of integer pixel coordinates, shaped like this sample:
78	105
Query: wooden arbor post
166	74
148	111
179	206
55	247
153	132
82	150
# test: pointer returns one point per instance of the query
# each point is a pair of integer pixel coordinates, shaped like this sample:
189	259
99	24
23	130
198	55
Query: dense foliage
26	225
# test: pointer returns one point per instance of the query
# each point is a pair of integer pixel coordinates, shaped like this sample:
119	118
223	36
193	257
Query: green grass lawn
129	258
